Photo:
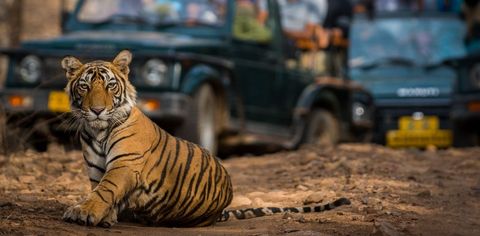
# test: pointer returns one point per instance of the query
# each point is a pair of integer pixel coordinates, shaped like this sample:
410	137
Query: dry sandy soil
393	192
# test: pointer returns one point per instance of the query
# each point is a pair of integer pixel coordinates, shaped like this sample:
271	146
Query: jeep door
257	59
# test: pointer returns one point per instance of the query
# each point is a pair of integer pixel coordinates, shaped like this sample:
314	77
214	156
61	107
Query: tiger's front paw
89	212
109	220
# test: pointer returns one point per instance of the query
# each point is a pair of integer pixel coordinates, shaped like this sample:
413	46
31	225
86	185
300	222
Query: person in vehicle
192	12
336	27
300	18
337	21
302	24
250	19
200	11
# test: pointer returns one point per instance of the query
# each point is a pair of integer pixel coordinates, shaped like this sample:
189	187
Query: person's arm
262	9
322	36
305	34
262	16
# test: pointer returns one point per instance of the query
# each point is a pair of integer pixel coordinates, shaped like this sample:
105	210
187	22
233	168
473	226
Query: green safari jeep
193	75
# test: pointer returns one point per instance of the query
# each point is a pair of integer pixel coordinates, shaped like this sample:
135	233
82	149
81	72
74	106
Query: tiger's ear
122	61
71	65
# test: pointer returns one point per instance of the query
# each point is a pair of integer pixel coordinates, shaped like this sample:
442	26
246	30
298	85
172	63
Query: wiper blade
433	66
122	19
399	61
387	61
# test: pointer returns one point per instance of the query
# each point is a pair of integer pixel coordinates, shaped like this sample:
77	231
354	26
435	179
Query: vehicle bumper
172	107
165	107
388	112
466	119
466	108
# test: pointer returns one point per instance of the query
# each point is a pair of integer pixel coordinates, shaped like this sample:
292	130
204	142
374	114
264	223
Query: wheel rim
207	124
322	134
324	131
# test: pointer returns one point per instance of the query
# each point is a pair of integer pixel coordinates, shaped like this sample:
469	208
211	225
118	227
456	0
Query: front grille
54	75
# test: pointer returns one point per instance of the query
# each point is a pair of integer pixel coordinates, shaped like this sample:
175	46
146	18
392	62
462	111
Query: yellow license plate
419	133
58	101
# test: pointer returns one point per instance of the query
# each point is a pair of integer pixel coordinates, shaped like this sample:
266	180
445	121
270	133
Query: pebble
302	187
365	200
6	203
256	194
27	198
26	178
383	228
425	194
54	166
301	219
392	213
259	202
316	197
241	201
287	216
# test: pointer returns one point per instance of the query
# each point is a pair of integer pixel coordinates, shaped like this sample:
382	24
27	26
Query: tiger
139	169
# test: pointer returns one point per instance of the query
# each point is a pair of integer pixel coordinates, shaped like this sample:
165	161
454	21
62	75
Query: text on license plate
419	133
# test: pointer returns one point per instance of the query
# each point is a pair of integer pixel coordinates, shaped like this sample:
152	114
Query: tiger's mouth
98	123
106	118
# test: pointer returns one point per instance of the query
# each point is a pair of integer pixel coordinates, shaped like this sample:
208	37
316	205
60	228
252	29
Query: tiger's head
100	92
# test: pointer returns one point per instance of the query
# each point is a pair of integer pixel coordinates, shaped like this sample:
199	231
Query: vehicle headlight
155	72
30	69
360	112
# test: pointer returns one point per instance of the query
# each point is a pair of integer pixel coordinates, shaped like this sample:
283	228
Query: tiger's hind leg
116	215
202	222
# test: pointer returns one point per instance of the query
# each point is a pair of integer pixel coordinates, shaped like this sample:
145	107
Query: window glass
419	41
210	12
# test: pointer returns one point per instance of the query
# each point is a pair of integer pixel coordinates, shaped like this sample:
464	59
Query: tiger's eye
83	86
112	85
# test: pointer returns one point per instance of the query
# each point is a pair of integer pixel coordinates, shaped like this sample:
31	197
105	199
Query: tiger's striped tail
265	211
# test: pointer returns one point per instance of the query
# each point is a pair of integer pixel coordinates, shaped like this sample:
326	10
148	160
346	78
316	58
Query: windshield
410	41
157	12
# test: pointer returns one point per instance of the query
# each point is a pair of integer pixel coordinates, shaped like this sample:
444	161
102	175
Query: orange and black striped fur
135	166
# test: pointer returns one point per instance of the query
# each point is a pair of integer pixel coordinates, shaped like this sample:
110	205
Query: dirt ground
393	192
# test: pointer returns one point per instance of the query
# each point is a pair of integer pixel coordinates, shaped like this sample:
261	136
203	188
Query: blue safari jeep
197	74
405	61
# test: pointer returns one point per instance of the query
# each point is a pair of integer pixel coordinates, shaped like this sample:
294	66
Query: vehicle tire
200	124
322	128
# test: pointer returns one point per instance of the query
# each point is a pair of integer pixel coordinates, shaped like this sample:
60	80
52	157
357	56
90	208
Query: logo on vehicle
418	92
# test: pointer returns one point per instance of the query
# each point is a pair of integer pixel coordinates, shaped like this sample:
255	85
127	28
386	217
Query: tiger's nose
97	110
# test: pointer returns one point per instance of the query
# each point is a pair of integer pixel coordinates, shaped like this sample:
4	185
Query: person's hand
322	36
337	38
